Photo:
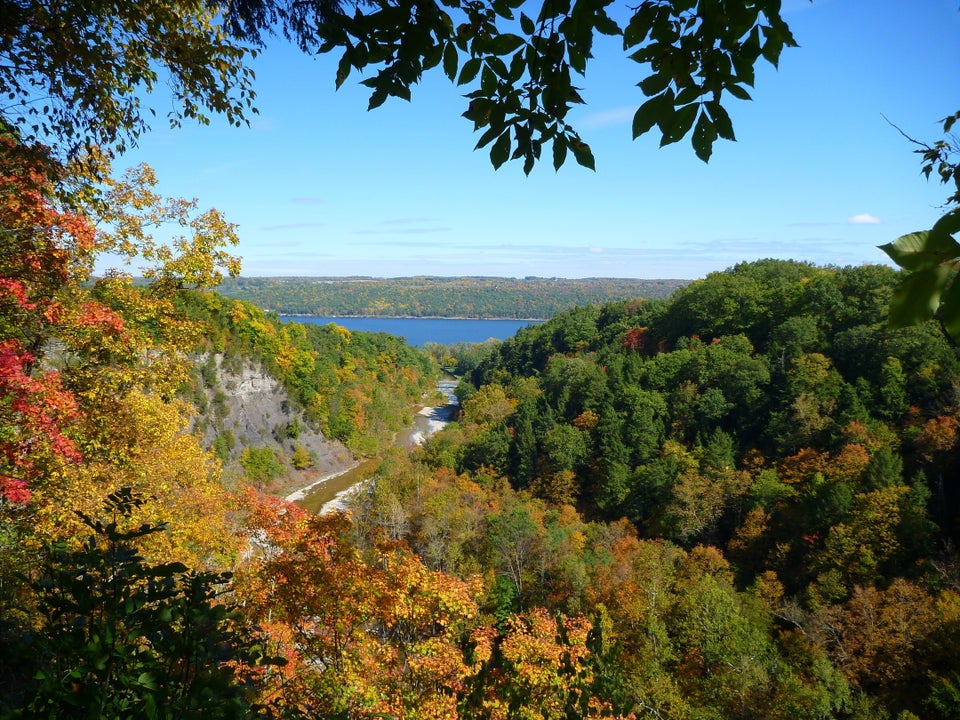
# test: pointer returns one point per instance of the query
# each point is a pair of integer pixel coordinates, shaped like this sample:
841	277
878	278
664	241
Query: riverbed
333	491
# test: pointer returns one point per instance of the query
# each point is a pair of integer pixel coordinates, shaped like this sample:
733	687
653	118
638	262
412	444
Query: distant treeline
474	297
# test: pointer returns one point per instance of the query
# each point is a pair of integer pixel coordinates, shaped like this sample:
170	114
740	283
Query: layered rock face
242	406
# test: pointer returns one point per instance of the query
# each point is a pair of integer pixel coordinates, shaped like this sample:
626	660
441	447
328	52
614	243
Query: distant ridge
432	296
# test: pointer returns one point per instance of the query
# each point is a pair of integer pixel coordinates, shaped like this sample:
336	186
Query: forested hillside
355	387
474	297
750	490
737	502
107	611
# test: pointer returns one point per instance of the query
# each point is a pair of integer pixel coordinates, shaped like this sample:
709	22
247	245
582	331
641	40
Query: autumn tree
889	642
368	634
117	635
89	372
70	352
539	667
41	246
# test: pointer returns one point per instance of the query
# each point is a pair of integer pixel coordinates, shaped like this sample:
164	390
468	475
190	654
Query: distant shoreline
406	317
460	298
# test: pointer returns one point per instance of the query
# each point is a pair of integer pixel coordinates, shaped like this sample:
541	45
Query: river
333	492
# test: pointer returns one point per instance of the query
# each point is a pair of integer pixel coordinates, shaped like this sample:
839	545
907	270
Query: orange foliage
636	339
586	421
374	634
879	636
937	435
803	465
850	462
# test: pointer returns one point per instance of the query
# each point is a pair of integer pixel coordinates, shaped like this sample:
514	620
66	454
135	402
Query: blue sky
320	186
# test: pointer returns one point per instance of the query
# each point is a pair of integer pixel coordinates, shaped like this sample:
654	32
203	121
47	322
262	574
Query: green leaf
917	297
949	224
950	310
605	24
922	250
654	84
528	161
638	27
690	92
432	56
721	121
469	71
527	25
649	114
738	92
559	151
501	149
578	60
517	66
499	67
450	61
583	154
505	44
488	81
949	121
377	98
681	124
343	71
643	55
489	135
704	135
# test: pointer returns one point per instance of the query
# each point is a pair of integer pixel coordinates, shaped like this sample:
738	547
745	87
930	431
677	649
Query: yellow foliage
489	405
154	455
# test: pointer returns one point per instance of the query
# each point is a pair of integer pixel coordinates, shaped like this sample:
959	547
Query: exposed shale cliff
242	408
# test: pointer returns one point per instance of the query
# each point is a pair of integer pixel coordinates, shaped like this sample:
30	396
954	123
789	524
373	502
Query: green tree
261	464
76	73
893	392
612	466
515	537
523	449
120	637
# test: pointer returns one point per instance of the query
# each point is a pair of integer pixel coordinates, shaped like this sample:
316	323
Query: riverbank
300	494
334	490
436	419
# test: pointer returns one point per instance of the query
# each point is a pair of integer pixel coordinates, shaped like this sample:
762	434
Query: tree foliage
930	258
74	75
519	71
120	636
438	297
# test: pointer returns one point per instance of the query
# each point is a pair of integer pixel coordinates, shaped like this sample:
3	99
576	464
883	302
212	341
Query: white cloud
864	219
606	118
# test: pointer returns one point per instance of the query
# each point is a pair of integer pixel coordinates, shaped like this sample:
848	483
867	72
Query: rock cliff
242	407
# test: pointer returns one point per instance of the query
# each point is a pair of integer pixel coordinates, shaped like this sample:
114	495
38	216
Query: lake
419	331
